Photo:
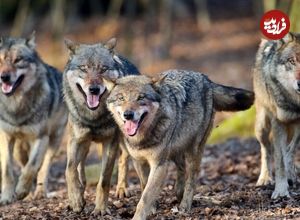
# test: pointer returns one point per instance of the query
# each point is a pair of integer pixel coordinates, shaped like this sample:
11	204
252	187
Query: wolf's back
231	99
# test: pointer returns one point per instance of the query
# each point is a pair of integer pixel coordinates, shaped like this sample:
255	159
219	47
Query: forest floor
226	185
225	190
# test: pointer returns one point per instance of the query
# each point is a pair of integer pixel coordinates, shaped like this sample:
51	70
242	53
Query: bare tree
20	18
203	18
58	18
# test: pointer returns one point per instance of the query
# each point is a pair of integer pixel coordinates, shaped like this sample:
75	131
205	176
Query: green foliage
240	124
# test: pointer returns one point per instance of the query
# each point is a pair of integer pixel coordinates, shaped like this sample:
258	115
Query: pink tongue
93	100
6	88
130	127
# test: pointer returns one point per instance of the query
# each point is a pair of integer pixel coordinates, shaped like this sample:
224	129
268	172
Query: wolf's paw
22	192
264	181
122	192
7	198
185	206
77	204
39	194
276	194
102	212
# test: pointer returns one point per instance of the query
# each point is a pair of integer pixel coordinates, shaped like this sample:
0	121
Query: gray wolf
277	88
86	85
32	117
169	119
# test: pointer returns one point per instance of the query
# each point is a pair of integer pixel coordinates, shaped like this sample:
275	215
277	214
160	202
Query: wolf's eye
104	69
18	59
141	98
291	61
121	98
83	68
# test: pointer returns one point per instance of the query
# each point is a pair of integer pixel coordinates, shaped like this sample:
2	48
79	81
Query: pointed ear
158	78
111	44
289	37
72	46
30	41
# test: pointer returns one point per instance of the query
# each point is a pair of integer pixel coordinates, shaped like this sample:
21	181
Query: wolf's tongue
131	127
92	100
6	88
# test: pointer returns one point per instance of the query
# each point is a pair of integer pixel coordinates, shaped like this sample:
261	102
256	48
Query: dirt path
225	190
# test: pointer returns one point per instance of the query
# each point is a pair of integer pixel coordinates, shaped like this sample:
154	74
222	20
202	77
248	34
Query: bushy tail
231	99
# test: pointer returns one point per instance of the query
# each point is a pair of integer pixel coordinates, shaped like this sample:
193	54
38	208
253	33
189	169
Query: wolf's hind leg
142	169
192	162
262	132
122	190
180	181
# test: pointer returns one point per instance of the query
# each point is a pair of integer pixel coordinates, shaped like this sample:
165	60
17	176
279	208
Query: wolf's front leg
262	133
7	176
109	153
151	192
280	141
76	153
122	190
33	165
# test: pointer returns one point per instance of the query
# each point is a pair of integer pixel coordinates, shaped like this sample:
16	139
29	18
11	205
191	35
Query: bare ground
225	190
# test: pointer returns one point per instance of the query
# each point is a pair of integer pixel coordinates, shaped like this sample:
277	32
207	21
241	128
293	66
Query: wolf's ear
158	78
72	46
111	44
289	37
30	41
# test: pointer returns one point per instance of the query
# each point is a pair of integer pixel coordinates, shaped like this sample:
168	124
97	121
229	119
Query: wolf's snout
94	90
128	115
5	78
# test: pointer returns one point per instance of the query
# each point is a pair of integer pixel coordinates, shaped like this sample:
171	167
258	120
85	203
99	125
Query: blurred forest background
216	37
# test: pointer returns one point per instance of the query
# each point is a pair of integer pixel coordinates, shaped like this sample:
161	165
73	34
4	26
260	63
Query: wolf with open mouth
87	83
169	119
33	117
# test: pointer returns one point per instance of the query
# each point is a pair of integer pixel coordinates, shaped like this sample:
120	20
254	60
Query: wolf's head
18	64
90	70
134	103
284	58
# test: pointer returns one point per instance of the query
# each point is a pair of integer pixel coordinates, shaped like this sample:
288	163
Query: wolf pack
103	98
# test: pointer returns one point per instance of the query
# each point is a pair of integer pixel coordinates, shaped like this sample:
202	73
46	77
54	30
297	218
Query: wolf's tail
231	99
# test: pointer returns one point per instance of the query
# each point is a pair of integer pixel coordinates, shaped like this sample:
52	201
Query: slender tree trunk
58	18
115	8
295	16
20	18
166	26
203	18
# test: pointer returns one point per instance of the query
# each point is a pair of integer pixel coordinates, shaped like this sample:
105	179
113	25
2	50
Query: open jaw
92	101
9	88
131	127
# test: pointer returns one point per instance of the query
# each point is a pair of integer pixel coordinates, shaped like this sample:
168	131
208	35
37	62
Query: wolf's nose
5	78
94	90
128	115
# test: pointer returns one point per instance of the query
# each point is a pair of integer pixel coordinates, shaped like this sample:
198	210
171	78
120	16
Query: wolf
276	82
86	84
33	117
169	119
